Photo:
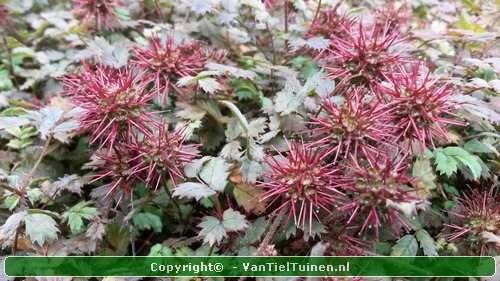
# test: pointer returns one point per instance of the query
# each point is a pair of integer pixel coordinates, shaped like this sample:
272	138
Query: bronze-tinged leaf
247	196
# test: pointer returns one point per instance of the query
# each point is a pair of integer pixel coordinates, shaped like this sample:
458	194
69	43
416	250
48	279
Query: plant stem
211	250
272	231
37	163
164	183
158	9
16	238
11	189
317	12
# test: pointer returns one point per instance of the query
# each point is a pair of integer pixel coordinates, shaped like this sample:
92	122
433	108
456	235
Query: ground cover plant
226	127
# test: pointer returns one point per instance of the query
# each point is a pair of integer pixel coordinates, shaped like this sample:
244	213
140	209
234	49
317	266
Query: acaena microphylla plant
112	103
422	105
476	220
364	55
164	63
358	125
379	191
332	25
301	181
102	12
396	15
116	167
165	153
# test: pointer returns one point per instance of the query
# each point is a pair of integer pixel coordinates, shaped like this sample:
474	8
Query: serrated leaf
247	196
95	231
215	173
9	228
212	230
75	215
424	176
231	70
427	243
257	127
250	170
316	229
445	165
209	85
315	43
193	168
319	82
40	228
193	190
476	146
253	233
406	246
148	221
231	150
160	250
234	220
9	122
202	7
465	158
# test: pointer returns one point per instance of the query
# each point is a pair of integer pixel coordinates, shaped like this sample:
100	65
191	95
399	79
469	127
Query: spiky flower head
379	192
301	181
364	55
116	168
477	221
164	63
112	103
397	15
101	11
331	24
165	153
360	124
421	106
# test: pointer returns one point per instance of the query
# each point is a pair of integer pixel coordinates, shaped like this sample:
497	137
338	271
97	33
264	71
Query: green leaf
450	189
234	220
320	83
215	173
406	246
245	89
445	165
160	250
476	146
75	215
465	158
316	229
250	170
11	201
40	228
148	221
195	190
427	243
212	230
253	234
306	66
